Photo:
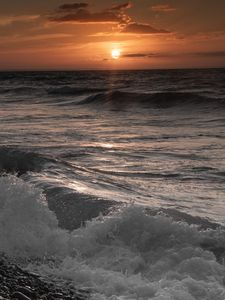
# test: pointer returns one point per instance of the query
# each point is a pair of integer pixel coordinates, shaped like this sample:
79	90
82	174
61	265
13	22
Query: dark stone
18	284
54	296
4	289
3	273
2	298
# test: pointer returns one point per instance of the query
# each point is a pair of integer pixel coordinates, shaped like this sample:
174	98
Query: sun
116	53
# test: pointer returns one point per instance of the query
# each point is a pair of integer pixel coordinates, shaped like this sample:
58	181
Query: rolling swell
73	91
119	99
19	90
54	91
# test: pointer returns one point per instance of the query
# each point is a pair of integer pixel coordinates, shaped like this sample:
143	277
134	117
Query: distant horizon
110	70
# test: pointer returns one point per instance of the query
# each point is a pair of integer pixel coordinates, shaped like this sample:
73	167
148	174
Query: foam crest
27	226
135	256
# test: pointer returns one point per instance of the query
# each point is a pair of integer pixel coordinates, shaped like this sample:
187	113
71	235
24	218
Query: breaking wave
119	99
127	255
20	161
28	227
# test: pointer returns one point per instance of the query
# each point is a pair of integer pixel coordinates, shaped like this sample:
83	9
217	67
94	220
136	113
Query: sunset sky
55	34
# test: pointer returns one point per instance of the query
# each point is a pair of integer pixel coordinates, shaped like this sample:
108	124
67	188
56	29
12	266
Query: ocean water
114	180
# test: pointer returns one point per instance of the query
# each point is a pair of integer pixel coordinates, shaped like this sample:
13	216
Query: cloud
122	6
80	13
163	8
139	28
73	6
169	55
84	16
8	20
133	55
211	54
148	55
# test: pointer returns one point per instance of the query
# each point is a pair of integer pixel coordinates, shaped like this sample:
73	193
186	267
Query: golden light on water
116	53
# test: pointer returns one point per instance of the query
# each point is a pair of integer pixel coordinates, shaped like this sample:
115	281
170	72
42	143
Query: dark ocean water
83	144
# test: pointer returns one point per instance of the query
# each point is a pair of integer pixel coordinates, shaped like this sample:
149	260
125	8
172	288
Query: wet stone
20	296
17	284
27	292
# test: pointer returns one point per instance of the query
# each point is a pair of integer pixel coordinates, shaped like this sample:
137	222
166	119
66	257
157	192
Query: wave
119	100
72	208
21	161
26	222
55	91
139	174
128	255
73	91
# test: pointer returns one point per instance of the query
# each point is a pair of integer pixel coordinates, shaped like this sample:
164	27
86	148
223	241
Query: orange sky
55	34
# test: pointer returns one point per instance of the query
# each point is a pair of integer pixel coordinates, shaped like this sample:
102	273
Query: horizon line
109	70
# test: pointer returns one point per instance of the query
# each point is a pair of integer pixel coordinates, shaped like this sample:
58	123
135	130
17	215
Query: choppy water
89	140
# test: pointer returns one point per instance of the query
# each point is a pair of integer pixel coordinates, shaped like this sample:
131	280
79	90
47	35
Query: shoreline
16	283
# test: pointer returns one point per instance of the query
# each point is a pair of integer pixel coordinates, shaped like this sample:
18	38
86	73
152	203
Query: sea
113	181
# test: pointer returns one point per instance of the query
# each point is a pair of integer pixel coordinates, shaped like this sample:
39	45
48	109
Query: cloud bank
163	8
169	55
138	28
81	13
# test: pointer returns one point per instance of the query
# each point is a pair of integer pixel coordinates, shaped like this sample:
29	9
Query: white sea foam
129	255
27	226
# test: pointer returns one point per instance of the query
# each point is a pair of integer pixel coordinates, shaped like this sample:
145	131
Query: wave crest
20	161
27	227
119	100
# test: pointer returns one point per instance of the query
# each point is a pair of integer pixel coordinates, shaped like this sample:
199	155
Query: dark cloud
79	13
84	16
163	8
73	6
138	28
148	55
169	55
133	55
211	54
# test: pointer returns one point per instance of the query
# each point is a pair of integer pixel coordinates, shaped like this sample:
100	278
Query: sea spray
27	227
135	256
128	255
